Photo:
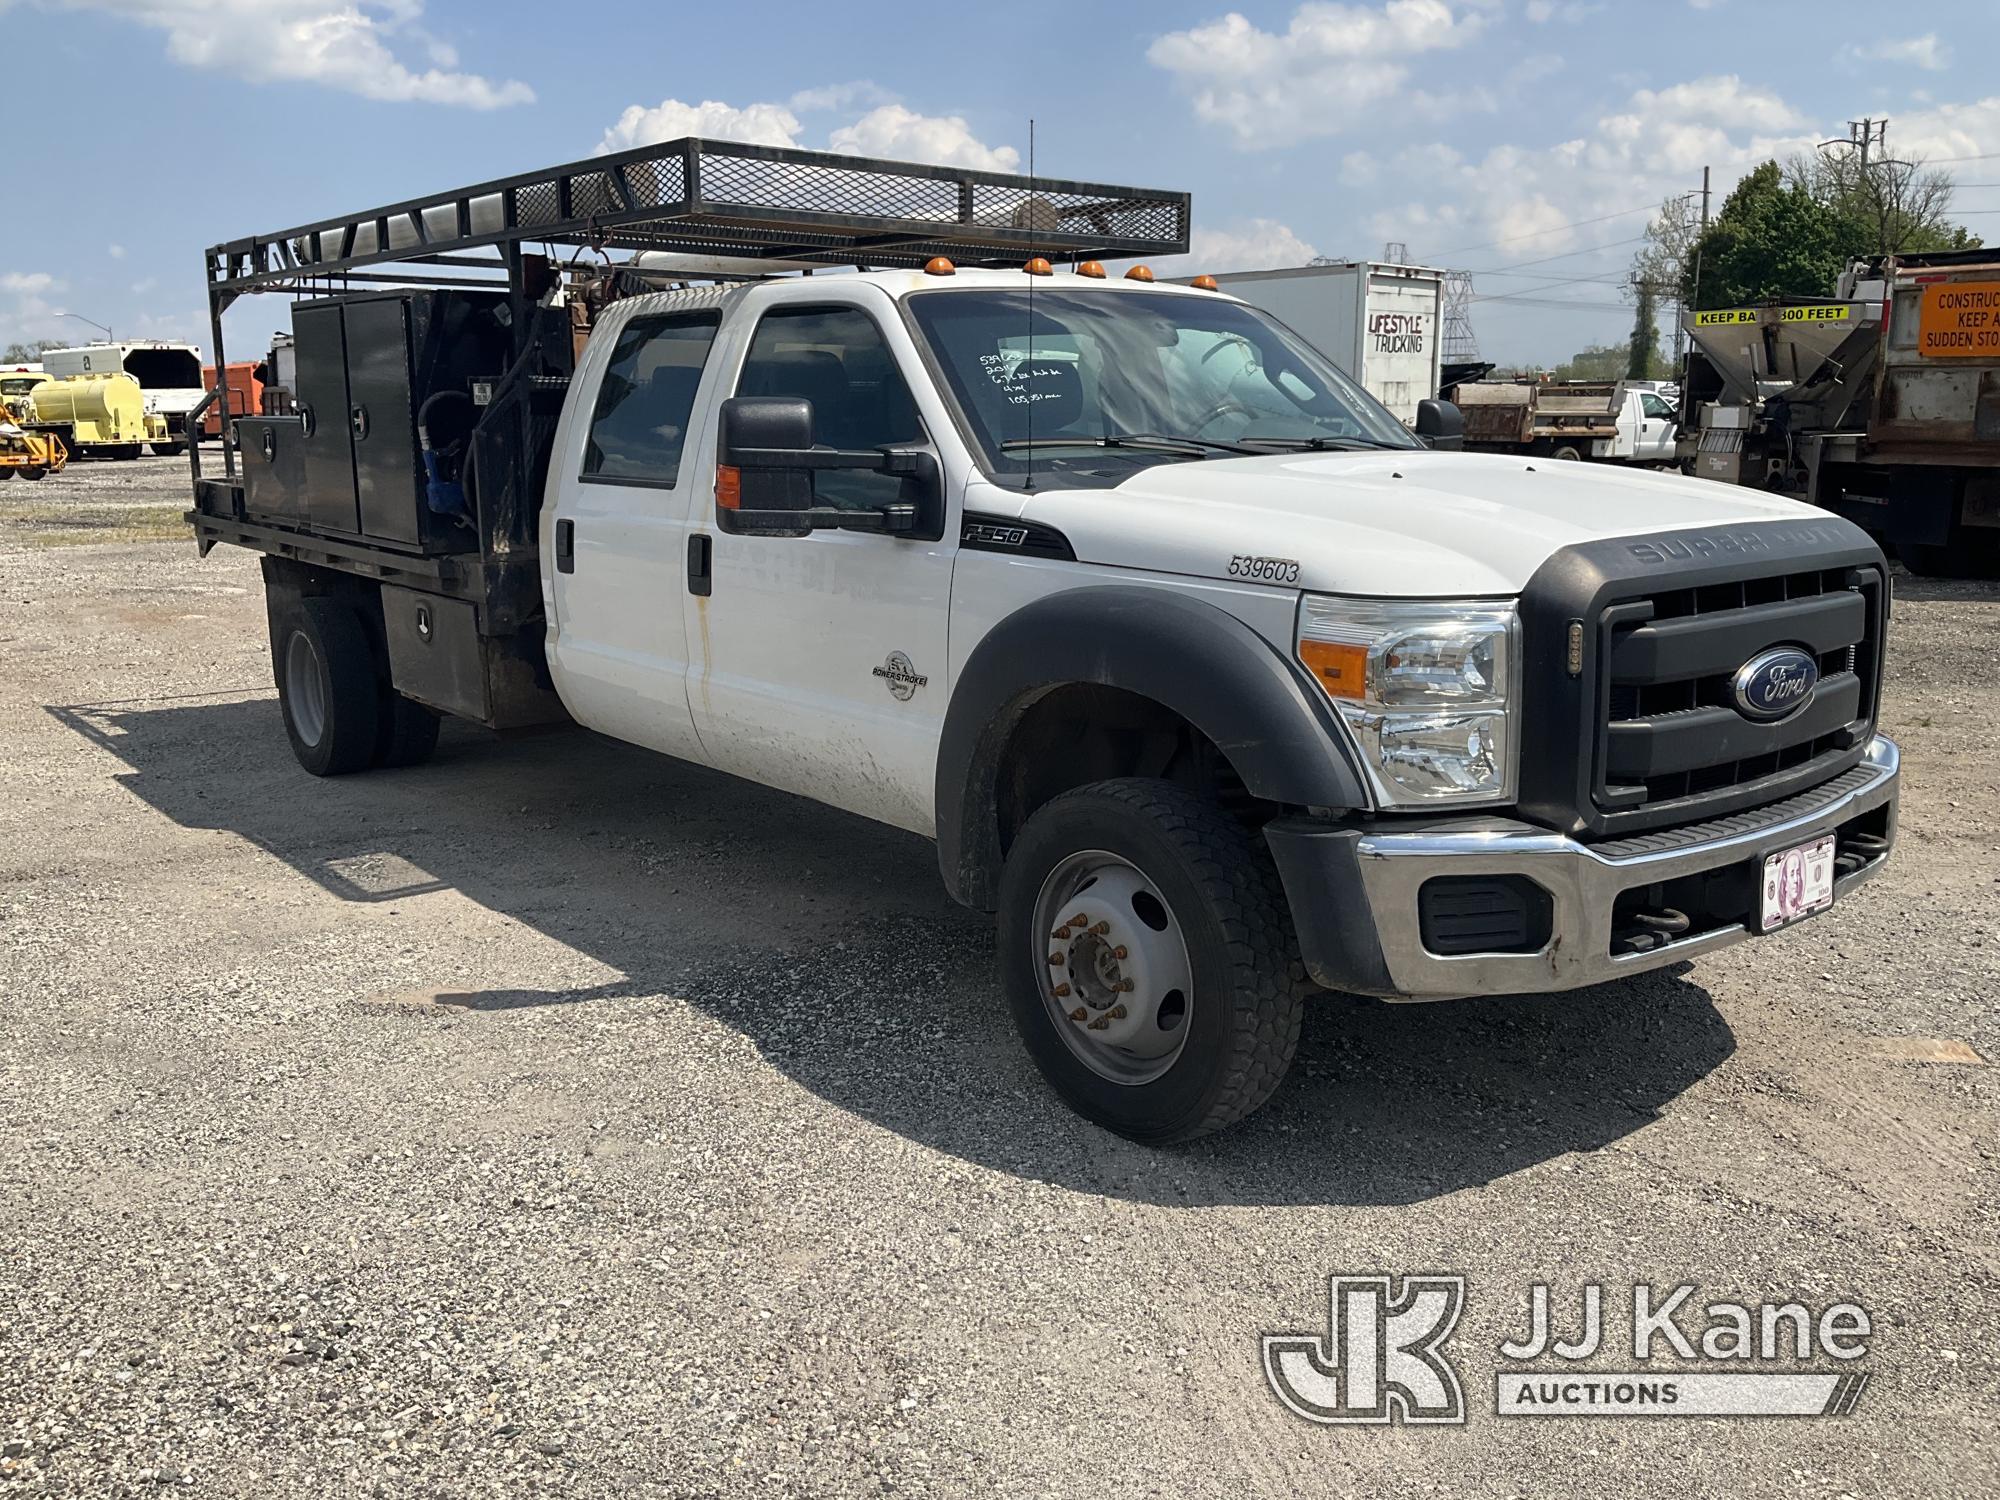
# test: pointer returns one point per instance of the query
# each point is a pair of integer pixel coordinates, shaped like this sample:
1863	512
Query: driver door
818	663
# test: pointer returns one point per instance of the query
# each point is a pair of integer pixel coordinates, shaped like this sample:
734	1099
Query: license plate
1798	883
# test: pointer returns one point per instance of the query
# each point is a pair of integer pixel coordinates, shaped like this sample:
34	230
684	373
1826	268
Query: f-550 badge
902	678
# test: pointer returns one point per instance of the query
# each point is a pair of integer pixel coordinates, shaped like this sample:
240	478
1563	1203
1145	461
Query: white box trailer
1381	323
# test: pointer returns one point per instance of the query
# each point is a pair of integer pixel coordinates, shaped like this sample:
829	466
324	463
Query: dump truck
97	416
1881	404
1208	678
168	373
1611	421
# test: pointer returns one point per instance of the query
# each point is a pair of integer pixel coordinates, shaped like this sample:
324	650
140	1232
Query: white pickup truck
1211	680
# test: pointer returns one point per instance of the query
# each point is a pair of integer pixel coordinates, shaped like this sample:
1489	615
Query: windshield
1102	379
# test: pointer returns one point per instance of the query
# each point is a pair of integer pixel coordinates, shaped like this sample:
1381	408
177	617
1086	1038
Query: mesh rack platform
722	198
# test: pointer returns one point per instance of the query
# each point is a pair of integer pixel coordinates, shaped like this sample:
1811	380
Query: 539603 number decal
1264	569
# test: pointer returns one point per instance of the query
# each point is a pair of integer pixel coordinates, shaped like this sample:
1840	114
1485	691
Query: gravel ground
559	1119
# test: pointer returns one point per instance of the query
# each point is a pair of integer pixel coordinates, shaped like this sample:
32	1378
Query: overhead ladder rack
722	198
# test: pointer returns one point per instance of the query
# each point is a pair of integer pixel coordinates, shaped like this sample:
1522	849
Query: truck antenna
1028	385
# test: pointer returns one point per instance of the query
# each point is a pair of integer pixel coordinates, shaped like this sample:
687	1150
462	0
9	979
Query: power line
1567	254
1536	234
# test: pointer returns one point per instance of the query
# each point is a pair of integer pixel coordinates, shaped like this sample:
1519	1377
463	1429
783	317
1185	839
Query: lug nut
1101	928
1119	951
1117	1012
1100	1023
1124	986
1079	920
1078	1014
1062	991
1062	934
1055	960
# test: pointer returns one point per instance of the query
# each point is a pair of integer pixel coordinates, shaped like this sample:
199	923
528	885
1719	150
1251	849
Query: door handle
358	420
701	552
565	546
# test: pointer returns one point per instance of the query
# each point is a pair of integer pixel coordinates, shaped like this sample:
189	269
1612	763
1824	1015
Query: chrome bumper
1354	892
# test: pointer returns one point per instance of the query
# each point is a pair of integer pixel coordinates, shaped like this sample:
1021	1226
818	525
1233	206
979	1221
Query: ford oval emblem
1775	684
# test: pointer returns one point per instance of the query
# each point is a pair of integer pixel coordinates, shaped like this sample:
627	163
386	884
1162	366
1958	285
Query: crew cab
1212	681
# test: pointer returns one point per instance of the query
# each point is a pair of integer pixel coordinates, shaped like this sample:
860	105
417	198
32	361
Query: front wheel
33	471
168	450
1149	959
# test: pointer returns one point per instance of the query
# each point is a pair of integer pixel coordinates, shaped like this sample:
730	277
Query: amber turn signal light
728	487
1341	669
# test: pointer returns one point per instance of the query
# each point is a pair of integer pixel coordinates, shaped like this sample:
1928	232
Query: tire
168	450
7	472
128	450
408	733
328	688
1567	452
1970	558
33	471
1240	996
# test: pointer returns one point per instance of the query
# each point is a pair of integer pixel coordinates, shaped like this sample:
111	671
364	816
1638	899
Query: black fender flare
1257	707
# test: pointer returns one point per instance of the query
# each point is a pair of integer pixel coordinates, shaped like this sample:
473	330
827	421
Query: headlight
1428	687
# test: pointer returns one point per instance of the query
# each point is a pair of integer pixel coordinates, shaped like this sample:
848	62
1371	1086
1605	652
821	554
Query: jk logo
1380	1360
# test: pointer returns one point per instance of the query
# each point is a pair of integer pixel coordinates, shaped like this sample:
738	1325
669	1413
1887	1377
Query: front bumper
1355	893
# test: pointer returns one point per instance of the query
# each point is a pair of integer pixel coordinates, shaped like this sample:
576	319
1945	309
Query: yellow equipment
90	412
29	454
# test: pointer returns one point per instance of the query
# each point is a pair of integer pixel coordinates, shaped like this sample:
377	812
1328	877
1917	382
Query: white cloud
343	44
1949	132
942	140
1541	12
1252	245
841	96
888	130
1327	71
1533	199
116	252
1925	52
26	283
669	120
28	314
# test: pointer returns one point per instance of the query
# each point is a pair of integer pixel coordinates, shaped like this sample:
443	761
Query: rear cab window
639	422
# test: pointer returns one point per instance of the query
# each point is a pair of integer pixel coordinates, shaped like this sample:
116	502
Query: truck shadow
828	941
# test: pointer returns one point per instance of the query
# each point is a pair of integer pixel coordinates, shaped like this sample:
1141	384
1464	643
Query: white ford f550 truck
1209	678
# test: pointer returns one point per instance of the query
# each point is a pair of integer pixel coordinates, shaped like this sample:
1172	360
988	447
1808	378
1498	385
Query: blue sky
1482	133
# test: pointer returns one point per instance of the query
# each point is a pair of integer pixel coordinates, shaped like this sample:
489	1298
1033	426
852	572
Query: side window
1655	406
640	422
835	357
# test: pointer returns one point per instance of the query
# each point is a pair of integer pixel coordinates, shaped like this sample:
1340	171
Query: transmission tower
1396	253
1460	345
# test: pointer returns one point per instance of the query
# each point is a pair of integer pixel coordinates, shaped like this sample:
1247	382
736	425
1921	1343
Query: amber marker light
1039	267
728	487
939	265
1139	273
1341	669
1205	284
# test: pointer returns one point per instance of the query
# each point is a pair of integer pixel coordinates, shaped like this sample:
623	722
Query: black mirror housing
758	492
1442	425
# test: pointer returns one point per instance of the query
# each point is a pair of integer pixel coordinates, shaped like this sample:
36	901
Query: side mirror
761	487
765	461
1442	425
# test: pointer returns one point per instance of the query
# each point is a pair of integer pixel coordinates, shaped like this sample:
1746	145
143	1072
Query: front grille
1673	740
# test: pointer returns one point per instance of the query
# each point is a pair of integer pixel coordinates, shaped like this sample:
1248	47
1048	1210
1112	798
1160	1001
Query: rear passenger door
616	550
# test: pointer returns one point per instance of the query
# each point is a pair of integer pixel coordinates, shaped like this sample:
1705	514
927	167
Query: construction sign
1725	317
1960	320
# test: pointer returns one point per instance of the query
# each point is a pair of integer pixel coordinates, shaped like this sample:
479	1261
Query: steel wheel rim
305	690
1112	964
